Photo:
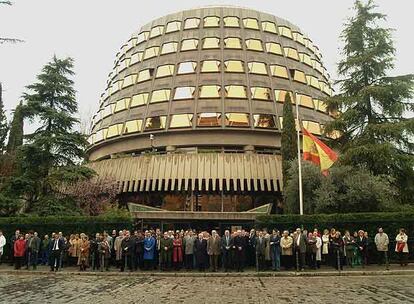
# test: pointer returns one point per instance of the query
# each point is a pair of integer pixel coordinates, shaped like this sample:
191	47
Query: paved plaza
111	289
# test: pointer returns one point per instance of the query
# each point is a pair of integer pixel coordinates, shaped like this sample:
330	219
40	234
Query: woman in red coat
19	251
177	251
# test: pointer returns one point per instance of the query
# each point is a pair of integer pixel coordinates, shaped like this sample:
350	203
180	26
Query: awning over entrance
202	171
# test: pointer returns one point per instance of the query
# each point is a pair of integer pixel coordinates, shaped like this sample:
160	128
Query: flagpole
299	160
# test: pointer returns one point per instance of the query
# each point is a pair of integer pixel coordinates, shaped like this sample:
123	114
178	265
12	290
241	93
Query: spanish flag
316	151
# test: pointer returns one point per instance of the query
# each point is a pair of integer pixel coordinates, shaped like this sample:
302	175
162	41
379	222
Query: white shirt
2	243
56	245
298	240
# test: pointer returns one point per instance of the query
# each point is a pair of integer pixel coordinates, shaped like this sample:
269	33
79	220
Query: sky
92	31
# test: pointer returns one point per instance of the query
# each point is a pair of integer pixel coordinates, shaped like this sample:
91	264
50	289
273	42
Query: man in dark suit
260	246
362	243
226	245
239	245
299	246
56	247
200	250
128	248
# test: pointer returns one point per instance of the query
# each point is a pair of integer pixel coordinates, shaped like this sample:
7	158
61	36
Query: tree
376	132
289	143
4	126
16	130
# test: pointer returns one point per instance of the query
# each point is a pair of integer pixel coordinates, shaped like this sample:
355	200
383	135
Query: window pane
279	71
101	134
211	21
320	105
237	120
133	126
114	130
123	65
312	127
173	26
211	43
117	84
232	43
139	99
298	76
145	75
157	31
160	95
298	37
187	67
231	22
209	66
129	80
122	104
313	81
280	96
251	23
305	100
236	91
184	93
155	123
274	48
209	119
191	23
108	110
264	121
181	121
285	31
260	93
254	45
269	27
298	128
136	57
189	44
305	58
291	53
234	66
170	47
165	70
257	68
209	91
151	52
142	37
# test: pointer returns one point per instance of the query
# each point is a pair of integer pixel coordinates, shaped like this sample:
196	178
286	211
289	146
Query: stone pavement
112	288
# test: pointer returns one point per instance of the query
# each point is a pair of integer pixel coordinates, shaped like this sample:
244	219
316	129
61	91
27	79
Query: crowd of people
233	251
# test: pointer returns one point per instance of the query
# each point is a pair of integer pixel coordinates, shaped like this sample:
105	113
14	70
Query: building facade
192	114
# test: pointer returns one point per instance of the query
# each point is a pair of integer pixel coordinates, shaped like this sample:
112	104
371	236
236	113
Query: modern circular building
192	114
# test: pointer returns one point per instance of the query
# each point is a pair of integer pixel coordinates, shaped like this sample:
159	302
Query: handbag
400	247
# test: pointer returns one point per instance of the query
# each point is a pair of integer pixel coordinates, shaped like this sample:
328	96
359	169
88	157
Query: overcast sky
92	31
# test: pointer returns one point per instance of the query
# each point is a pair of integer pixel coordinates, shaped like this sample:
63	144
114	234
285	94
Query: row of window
267	121
214	43
214	21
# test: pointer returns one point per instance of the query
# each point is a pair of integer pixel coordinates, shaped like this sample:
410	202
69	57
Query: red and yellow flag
316	151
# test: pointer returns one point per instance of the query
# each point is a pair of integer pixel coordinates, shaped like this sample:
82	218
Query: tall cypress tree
16	130
376	131
4	126
289	142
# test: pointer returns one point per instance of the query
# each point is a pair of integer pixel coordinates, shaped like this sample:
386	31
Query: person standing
149	250
13	239
338	250
401	247
177	256
19	249
56	246
260	246
299	246
381	241
45	250
239	246
118	248
325	246
84	249
213	250
200	250
349	244
226	245
189	240
34	248
286	243
166	245
311	249
127	246
2	244
104	253
139	251
362	246
318	249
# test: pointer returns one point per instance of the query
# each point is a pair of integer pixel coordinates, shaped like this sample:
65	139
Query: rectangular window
209	120
266	121
285	31
157	31
313	81
211	43
291	53
257	68
305	58
320	105
260	93
169	47
139	100
189	44
312	126
151	52
173	26
298	37
251	23
142	37
129	80
209	91
133	126
298	76
101	134
187	67
123	65
269	27
155	123
184	93
274	48
280	96
254	45
305	100
191	23
145	75
210	66
298	127
279	71
237	120
114	130
232	43
234	66
136	57
160	95
212	21
236	91
116	86
231	21
165	71
181	121
122	105
108	110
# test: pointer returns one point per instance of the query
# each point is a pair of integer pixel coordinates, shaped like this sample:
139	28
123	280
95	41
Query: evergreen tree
16	130
4	126
289	142
376	132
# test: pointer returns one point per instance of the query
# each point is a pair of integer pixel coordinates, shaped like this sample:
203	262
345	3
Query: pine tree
4	126
376	132
289	143
16	130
